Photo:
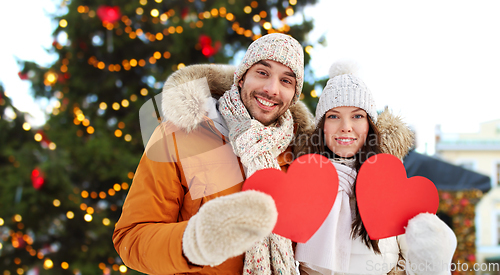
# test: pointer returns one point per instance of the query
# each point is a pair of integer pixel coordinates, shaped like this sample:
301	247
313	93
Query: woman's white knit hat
345	89
277	47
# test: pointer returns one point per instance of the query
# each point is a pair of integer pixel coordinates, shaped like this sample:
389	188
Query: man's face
267	90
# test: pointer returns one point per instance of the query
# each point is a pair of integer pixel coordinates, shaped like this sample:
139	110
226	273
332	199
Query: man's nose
271	86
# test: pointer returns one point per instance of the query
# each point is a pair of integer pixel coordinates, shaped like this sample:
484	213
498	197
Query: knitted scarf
258	146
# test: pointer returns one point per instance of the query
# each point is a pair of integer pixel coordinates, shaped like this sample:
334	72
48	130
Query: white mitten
228	226
431	245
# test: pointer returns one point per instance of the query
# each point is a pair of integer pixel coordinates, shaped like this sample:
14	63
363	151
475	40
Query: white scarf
258	147
330	247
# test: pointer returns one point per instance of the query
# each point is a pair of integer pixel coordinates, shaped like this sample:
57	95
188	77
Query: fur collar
396	137
186	93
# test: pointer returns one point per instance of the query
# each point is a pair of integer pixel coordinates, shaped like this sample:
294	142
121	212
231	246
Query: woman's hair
370	147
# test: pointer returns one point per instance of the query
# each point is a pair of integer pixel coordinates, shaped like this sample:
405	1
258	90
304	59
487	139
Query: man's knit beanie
277	47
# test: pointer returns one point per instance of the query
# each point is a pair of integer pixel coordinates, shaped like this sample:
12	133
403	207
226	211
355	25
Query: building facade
479	152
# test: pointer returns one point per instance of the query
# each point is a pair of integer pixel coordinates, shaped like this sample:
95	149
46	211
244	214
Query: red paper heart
387	199
304	195
109	14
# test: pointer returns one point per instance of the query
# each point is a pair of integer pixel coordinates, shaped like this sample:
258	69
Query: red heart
304	195
109	14
387	199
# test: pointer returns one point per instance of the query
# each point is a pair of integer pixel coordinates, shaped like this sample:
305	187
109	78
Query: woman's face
345	130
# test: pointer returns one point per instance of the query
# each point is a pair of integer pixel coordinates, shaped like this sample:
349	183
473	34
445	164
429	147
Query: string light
124	186
308	49
125	103
18	218
87	217
63	23
26	126
48	264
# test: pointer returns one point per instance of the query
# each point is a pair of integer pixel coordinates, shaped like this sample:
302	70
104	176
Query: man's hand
228	226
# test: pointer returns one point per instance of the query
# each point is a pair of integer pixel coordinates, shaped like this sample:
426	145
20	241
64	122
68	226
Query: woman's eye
358	116
332	116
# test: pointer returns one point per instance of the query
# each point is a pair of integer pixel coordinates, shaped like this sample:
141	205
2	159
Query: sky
431	62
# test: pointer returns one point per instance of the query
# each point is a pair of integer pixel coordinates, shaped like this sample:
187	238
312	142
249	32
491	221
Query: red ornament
37	178
22	76
109	14
205	40
208	51
206	45
280	15
184	12
61	78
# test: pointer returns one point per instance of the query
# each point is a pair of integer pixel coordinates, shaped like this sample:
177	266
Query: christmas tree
63	184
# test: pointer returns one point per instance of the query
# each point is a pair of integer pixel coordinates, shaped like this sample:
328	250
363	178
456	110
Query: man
184	212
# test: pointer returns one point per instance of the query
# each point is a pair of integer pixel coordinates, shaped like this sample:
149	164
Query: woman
348	134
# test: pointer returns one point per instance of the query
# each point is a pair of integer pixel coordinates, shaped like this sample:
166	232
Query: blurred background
75	73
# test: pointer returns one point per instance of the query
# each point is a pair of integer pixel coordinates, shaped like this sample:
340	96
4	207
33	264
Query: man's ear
240	83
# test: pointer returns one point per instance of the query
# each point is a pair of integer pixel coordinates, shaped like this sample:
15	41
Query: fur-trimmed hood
188	90
185	95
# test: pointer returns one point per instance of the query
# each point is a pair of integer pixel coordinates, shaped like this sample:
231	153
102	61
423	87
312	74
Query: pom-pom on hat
277	47
344	88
